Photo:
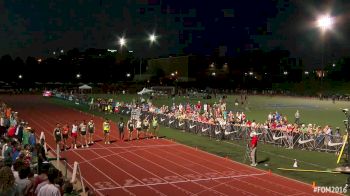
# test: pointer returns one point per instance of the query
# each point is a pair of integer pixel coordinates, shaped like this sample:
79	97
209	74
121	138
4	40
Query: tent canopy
145	91
85	87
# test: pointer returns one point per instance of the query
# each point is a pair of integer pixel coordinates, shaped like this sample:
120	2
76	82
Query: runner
58	135
106	128
145	125
138	128
130	126
82	128
121	129
155	127
74	134
91	128
65	132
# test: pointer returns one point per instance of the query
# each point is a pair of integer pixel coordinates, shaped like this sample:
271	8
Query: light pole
152	38
347	126
324	23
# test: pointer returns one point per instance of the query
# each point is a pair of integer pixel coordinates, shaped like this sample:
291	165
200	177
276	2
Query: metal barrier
297	140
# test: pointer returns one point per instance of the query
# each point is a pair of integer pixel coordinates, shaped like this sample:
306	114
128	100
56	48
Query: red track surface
151	167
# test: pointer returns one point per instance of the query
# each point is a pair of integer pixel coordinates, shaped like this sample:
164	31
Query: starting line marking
180	181
128	147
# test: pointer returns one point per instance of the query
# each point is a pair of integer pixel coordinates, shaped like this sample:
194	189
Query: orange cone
313	184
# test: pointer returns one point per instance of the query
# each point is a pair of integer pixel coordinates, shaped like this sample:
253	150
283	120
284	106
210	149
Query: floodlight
325	22
152	38
122	41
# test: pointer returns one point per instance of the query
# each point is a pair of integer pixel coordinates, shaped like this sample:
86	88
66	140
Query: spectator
7	185
297	117
16	152
19	132
68	189
23	183
31	139
42	177
25	136
50	188
8	153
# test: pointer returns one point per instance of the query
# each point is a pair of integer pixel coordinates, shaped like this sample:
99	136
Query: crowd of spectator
24	166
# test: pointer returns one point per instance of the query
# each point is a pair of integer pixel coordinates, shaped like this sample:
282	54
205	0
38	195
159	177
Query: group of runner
86	131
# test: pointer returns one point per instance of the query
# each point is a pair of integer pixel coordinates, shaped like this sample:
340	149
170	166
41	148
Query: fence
292	140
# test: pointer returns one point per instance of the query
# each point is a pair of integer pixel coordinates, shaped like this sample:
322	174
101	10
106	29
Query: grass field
314	111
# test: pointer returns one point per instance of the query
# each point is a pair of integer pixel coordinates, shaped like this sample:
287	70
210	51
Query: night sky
39	27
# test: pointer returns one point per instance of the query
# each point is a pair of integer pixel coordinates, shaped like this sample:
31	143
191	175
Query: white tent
85	87
145	91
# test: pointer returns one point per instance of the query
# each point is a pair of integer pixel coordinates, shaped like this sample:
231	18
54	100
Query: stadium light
152	38
122	42
325	22
78	76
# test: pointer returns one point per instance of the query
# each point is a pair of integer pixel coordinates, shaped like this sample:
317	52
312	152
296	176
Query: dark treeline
255	68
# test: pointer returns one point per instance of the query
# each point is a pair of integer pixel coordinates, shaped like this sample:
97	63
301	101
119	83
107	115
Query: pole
348	131
140	66
323	62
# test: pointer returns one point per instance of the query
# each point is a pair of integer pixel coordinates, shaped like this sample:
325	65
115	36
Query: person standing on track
91	128
145	125
106	129
121	129
138	128
65	132
74	134
253	144
83	130
130	126
155	127
58	135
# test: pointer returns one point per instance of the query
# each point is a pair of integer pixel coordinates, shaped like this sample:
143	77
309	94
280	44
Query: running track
151	167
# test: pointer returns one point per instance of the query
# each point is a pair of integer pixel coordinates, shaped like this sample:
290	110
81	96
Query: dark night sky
37	27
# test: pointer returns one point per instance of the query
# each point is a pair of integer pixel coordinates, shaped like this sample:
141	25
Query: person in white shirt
83	130
50	188
74	134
